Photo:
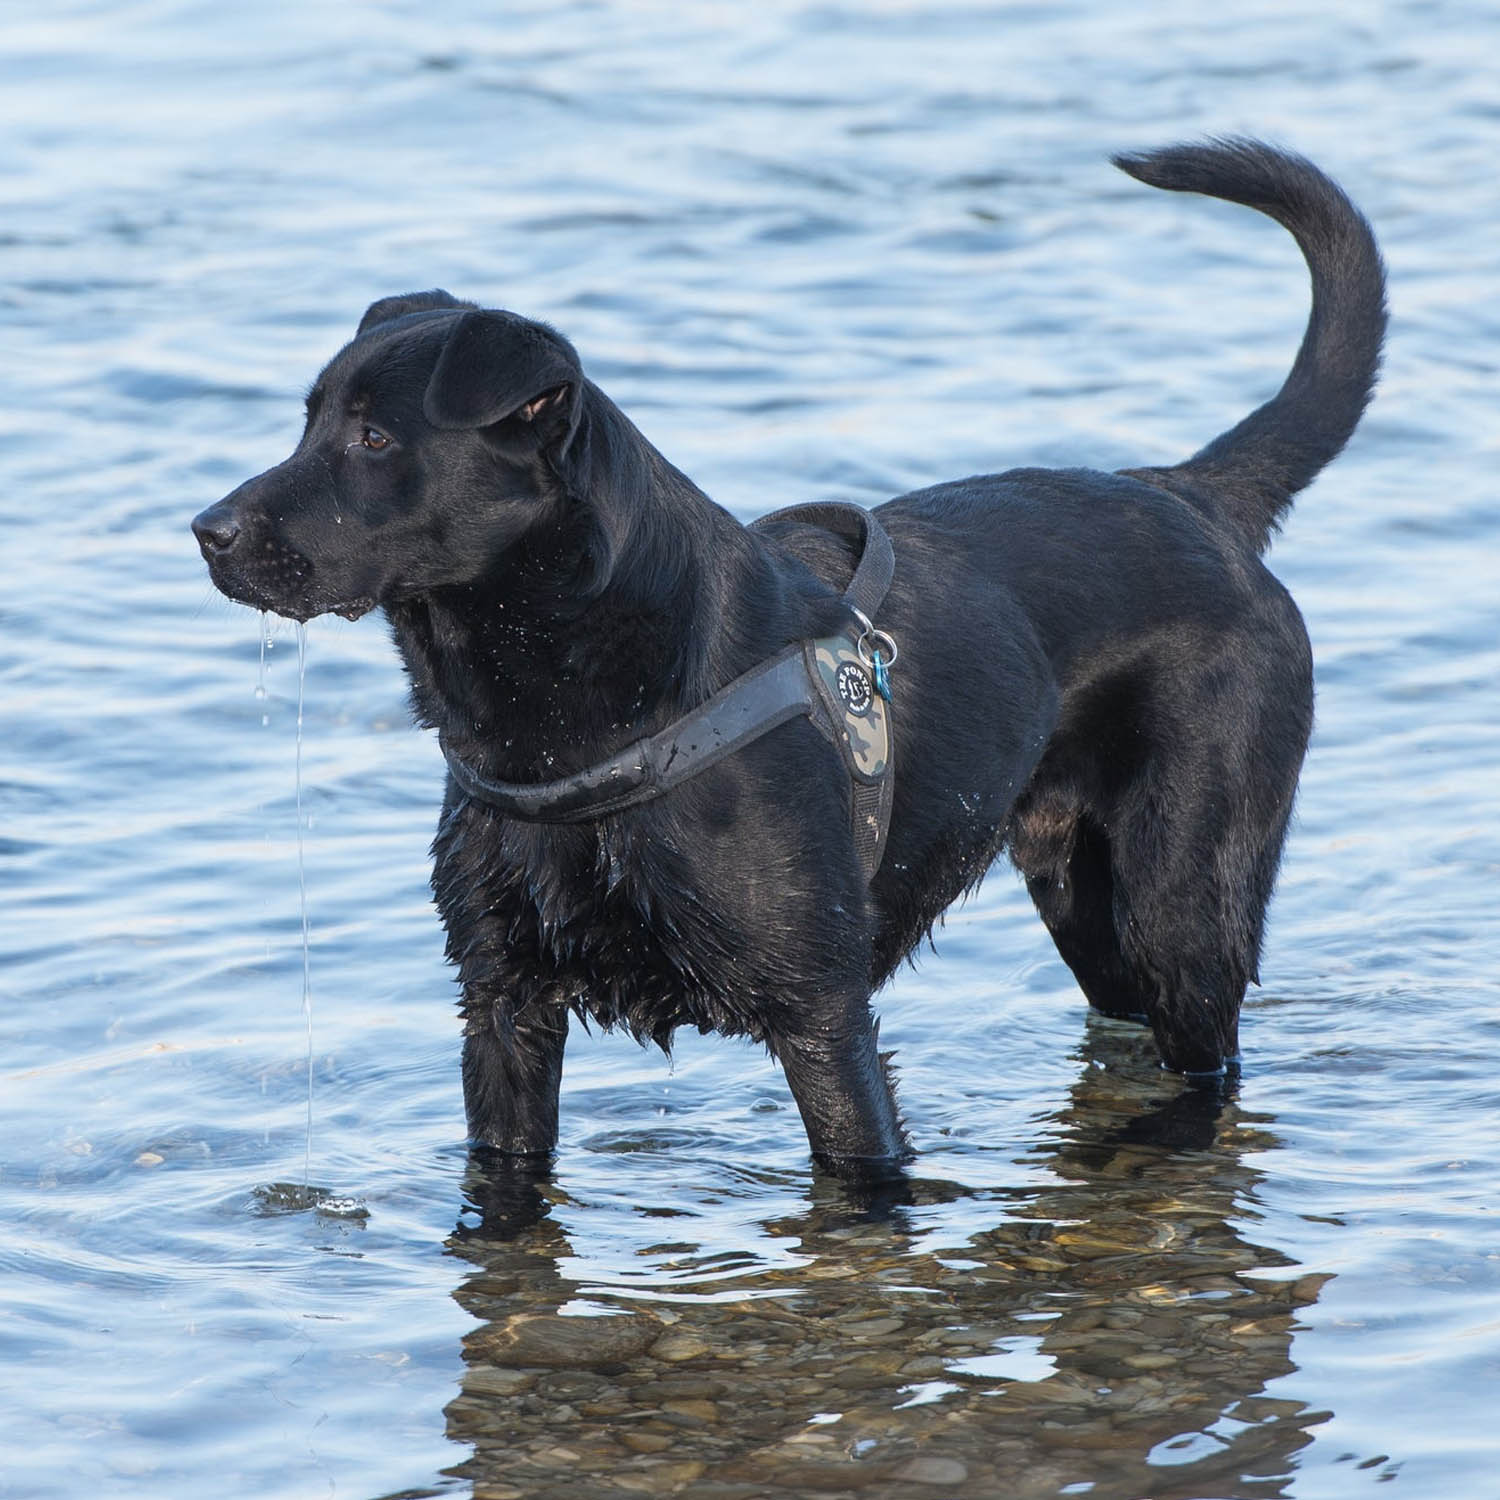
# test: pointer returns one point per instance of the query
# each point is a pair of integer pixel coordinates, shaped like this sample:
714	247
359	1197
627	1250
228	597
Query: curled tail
1254	469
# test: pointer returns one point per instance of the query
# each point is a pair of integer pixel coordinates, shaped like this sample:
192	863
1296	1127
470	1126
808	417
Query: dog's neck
634	601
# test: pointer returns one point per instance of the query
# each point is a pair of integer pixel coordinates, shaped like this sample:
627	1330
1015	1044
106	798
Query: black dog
1096	673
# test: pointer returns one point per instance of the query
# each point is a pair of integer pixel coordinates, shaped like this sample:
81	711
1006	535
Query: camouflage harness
839	682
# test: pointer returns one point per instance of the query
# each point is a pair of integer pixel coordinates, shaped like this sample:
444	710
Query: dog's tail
1254	469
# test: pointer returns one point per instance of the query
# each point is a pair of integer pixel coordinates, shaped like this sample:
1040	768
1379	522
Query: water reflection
1112	1333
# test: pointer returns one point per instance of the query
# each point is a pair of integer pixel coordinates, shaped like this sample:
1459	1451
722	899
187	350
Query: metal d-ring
873	640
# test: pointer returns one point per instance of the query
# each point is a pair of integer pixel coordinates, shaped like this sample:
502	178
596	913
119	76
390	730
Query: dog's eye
374	439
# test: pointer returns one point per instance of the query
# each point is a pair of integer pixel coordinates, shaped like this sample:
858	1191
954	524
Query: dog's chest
609	925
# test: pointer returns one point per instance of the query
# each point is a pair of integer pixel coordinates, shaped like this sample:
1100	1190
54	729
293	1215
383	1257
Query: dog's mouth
284	583
307	607
302	612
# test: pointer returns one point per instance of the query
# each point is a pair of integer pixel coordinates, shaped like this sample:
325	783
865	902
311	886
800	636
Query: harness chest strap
825	680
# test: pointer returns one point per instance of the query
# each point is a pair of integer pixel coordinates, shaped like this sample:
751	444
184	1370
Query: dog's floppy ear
497	365
389	308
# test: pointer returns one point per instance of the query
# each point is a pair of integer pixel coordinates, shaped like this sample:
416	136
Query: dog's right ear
495	366
390	308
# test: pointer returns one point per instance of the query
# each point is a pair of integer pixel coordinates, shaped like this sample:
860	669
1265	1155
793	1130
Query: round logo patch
854	688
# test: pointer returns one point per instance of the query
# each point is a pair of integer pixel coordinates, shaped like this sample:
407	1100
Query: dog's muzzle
252	566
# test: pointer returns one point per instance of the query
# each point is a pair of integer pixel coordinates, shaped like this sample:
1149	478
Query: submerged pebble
539	1339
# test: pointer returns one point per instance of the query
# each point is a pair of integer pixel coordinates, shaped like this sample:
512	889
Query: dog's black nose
217	530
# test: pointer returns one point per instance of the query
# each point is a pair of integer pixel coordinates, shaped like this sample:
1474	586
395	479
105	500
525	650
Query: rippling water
815	251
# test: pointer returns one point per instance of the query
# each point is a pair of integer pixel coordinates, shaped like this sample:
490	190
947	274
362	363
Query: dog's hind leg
1191	921
512	1069
1155	893
1196	835
1143	944
1074	893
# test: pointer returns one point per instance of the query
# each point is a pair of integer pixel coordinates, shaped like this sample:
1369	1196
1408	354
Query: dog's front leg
512	1069
842	1088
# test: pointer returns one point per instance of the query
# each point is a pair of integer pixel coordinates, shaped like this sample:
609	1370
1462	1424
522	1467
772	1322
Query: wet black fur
1097	675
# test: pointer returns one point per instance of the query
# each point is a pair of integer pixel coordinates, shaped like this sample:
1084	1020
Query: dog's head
434	441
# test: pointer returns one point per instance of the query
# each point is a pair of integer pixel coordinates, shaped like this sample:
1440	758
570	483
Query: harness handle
877	559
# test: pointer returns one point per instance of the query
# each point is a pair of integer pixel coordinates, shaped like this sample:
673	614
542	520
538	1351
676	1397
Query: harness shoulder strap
828	681
752	705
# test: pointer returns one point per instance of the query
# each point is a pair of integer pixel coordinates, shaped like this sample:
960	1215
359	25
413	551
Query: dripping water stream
297	1197
302	900
260	679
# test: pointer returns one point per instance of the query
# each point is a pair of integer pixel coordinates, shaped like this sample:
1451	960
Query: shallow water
815	251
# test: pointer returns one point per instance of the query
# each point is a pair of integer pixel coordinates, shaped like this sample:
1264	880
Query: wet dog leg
842	1088
512	1067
